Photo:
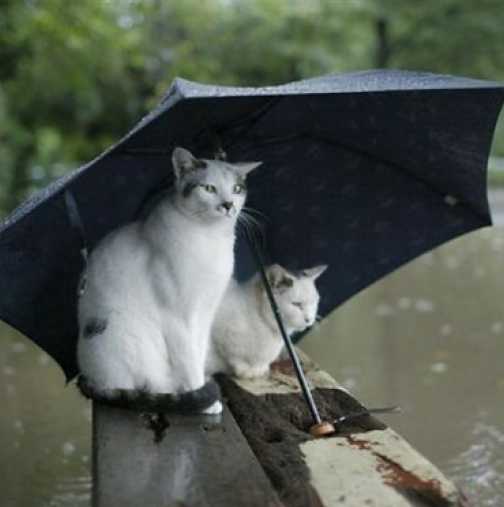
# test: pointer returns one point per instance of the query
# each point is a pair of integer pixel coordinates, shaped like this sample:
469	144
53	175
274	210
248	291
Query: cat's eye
238	188
298	304
210	188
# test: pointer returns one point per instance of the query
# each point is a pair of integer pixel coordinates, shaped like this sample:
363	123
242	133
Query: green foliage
69	88
75	76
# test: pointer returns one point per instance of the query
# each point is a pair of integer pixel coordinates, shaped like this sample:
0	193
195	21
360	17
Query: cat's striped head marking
210	189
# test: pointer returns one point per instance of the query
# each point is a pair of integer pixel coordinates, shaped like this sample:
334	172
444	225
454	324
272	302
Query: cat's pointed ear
184	162
279	278
315	272
243	168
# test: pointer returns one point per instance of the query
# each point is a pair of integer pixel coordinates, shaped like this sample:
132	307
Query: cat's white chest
206	256
189	277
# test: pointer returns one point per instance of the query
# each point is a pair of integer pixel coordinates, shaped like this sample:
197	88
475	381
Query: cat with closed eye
152	291
245	335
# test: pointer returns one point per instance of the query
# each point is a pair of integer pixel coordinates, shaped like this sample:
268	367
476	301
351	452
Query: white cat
245	334
152	291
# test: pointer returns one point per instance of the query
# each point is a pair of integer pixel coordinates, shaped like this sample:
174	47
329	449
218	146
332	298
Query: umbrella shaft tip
322	429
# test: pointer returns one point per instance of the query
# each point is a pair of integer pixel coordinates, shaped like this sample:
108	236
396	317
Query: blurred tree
451	36
69	84
74	76
461	37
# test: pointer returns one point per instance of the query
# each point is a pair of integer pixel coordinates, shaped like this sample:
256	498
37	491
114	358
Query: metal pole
286	338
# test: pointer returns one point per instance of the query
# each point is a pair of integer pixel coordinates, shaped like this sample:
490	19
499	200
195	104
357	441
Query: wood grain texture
198	462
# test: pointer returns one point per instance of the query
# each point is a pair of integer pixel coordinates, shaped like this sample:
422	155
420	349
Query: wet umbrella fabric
362	171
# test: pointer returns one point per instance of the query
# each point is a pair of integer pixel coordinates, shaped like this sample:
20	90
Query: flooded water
430	338
45	430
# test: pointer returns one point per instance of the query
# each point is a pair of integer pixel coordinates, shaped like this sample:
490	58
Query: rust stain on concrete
359	443
428	490
395	475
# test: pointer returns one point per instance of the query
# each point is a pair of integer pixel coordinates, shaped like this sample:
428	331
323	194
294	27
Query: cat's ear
184	162
315	272
279	278
243	168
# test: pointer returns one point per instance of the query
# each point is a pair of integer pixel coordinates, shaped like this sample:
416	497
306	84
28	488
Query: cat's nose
227	205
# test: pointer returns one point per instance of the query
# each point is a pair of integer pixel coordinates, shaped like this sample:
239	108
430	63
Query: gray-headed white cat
245	334
152	291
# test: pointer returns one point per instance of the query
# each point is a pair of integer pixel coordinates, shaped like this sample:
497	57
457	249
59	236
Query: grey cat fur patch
188	188
94	327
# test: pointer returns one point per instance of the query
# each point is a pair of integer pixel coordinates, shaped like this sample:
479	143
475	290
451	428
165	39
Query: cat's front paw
214	409
251	372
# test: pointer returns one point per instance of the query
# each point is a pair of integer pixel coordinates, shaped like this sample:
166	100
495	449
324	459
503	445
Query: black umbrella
361	171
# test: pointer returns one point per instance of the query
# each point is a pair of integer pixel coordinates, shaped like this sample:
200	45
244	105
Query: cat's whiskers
252	226
247	225
249	214
252	220
252	211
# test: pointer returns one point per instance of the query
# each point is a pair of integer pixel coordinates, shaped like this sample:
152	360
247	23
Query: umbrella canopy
362	172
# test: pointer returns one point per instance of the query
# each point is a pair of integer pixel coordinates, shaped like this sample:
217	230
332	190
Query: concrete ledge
260	453
195	461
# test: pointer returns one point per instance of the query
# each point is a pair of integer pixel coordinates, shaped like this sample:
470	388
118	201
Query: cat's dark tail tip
195	402
189	402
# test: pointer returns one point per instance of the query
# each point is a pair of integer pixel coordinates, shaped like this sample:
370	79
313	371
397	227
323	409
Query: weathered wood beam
364	464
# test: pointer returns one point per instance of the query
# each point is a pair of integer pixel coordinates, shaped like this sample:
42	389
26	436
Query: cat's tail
189	402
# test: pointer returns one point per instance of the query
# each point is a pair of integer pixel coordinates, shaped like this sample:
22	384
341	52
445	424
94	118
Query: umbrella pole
319	428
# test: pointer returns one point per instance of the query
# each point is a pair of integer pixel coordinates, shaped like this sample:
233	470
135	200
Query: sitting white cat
153	288
245	335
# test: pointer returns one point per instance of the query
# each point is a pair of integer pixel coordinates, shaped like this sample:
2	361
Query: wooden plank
364	464
196	461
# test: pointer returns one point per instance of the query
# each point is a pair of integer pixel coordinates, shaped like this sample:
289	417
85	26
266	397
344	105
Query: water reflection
44	430
429	337
479	467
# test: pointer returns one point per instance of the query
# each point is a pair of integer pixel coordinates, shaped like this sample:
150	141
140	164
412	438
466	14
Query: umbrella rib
253	117
401	168
354	149
247	121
